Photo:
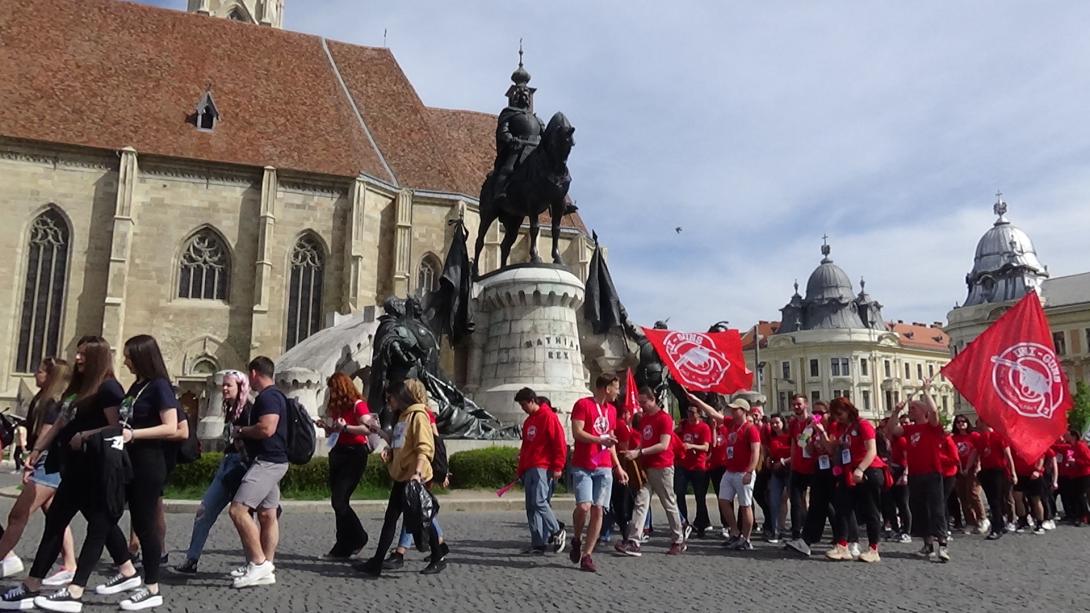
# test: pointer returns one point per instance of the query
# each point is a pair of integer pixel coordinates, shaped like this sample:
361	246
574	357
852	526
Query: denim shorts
40	477
593	486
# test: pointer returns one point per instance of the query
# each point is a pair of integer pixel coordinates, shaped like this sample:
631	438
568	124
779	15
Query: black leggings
822	487
895	506
389	526
925	497
1073	495
760	496
862	498
991	480
78	492
149	469
346	466
699	480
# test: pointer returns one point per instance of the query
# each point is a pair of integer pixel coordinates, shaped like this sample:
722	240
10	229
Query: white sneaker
60	578
141	599
853	548
254	574
1047	525
985	527
239	572
12	565
725	532
119	583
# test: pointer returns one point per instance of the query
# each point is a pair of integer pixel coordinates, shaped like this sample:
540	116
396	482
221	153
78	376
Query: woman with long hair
1073	456
39	486
89	405
862	477
413	447
346	420
236	412
968	490
779	471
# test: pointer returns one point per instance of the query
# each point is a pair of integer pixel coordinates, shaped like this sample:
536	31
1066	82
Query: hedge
487	468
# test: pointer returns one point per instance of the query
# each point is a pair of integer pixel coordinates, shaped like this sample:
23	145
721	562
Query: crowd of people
904	478
97	449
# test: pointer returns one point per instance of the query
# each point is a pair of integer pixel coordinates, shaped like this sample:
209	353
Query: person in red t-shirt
1073	457
347	422
692	469
1029	489
968	490
656	456
743	453
996	471
862	479
594	466
778	465
925	442
717	459
803	462
541	460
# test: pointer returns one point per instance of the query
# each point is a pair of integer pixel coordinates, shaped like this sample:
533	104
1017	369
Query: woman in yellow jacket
412	447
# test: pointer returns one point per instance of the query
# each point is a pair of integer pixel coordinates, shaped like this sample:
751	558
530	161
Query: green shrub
491	467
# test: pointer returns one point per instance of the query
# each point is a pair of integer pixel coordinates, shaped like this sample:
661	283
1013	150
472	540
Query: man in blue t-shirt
266	441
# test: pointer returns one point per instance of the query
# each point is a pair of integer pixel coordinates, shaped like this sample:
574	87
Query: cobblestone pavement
487	573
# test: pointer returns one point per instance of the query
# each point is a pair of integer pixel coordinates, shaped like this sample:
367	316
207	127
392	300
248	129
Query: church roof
109	74
1005	265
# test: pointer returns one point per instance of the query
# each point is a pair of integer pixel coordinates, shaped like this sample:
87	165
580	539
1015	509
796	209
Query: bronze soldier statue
518	131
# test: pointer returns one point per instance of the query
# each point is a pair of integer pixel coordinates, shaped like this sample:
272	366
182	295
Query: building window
427	278
930	370
864	369
908	371
782	402
815	396
1086	345
236	15
814	372
43	293
842	394
946	404
889	400
1060	342
919	372
889	369
866	400
205	268
305	290
840	367
786	367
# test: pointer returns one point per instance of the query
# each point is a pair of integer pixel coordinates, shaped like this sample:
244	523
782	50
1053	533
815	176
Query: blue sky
759	127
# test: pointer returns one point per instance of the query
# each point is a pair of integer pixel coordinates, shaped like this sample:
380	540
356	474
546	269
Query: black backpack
302	440
439	467
189	451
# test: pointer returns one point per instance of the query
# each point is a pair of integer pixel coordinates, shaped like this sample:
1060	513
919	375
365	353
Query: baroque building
1005	267
833	342
229	188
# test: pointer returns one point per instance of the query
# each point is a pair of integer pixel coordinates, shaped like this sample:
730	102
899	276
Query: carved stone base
531	339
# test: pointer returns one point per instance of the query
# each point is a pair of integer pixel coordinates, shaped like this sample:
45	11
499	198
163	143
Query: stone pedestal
530	338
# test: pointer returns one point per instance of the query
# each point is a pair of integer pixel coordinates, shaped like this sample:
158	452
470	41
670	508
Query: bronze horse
539	184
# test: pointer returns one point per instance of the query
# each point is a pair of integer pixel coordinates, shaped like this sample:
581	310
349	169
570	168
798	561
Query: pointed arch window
305	289
43	293
205	269
427	278
236	15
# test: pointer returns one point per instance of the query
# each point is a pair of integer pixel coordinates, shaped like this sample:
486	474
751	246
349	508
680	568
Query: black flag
602	307
448	306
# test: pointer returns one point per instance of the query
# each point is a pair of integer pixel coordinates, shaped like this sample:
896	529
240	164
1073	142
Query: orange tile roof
766	329
921	336
109	74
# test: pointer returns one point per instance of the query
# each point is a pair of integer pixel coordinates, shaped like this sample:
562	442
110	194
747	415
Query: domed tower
870	310
791	320
830	300
263	12
1005	266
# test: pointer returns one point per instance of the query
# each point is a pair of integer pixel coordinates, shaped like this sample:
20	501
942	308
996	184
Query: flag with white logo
703	361
1012	377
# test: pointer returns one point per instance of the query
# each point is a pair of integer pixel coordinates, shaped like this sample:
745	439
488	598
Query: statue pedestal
531	339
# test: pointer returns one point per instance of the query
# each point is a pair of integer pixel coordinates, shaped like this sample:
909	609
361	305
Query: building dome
828	281
830	302
1005	265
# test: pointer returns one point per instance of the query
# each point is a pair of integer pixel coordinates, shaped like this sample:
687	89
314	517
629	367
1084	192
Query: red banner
1012	377
703	361
631	394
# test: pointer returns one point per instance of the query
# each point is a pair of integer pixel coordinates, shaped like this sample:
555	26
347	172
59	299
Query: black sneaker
394	561
994	536
434	567
142	599
443	550
18	598
117	584
189	568
574	553
370	568
59	601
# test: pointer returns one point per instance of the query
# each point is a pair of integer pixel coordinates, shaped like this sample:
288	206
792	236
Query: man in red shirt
692	469
743	451
1073	457
594	466
541	460
656	456
968	490
803	462
996	471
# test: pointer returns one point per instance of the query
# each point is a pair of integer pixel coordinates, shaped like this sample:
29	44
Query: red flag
1011	376
703	361
631	394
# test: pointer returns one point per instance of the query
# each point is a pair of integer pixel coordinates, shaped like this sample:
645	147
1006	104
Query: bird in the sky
677	230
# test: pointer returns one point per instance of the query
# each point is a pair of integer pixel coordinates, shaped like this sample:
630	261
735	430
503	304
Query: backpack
302	440
189	451
439	467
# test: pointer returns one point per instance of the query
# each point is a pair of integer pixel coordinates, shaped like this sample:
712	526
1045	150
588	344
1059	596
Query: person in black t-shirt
266	442
90	405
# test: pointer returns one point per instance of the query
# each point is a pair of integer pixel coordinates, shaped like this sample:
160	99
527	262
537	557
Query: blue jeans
218	495
539	512
406	539
776	484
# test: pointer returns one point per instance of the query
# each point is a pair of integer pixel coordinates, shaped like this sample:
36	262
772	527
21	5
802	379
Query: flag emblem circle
1027	377
696	359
